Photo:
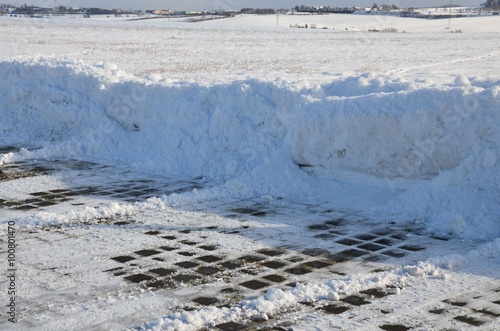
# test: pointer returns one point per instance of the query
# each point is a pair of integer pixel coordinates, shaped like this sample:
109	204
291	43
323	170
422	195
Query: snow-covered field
242	125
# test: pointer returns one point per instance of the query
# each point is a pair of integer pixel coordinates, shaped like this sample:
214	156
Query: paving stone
298	271
469	320
254	284
184	278
183	253
271	252
366	237
456	303
355	300
394	253
231	326
231	265
147	252
152	233
412	248
316	264
371	247
123	259
275	278
437	311
335	309
395	327
168	248
252	258
208	247
189	242
318	227
163	271
208	270
385	242
206	301
375	292
187	264
349	242
209	258
274	264
138	278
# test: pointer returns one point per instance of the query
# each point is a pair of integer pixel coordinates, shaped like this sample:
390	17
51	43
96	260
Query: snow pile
276	300
251	134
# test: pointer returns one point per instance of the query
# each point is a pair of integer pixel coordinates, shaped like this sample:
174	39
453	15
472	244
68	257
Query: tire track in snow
467	59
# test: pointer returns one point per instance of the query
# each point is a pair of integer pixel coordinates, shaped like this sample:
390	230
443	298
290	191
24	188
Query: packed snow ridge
274	138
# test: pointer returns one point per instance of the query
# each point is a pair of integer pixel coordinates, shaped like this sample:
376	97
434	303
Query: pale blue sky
233	4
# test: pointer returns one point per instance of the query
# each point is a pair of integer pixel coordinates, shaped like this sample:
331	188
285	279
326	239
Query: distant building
163	12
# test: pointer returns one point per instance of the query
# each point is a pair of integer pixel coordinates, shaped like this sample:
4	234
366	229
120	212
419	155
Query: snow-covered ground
382	138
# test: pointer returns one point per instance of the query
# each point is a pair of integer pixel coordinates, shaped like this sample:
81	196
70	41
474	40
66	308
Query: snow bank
251	134
276	300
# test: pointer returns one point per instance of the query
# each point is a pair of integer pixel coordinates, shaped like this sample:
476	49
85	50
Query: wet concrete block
231	265
385	242
152	233
251	258
355	300
123	258
437	311
412	248
187	264
456	303
366	237
186	278
147	252
394	327
469	320
206	301
138	278
209	258
394	253
274	264
208	247
348	242
275	278
168	248
254	284
375	292
271	252
334	309
183	253
298	271
371	247
208	270
162	271
316	264
231	326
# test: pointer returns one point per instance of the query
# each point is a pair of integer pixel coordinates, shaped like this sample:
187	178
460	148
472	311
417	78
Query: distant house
163	12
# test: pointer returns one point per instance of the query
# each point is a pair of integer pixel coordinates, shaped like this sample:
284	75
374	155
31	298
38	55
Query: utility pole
277	18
